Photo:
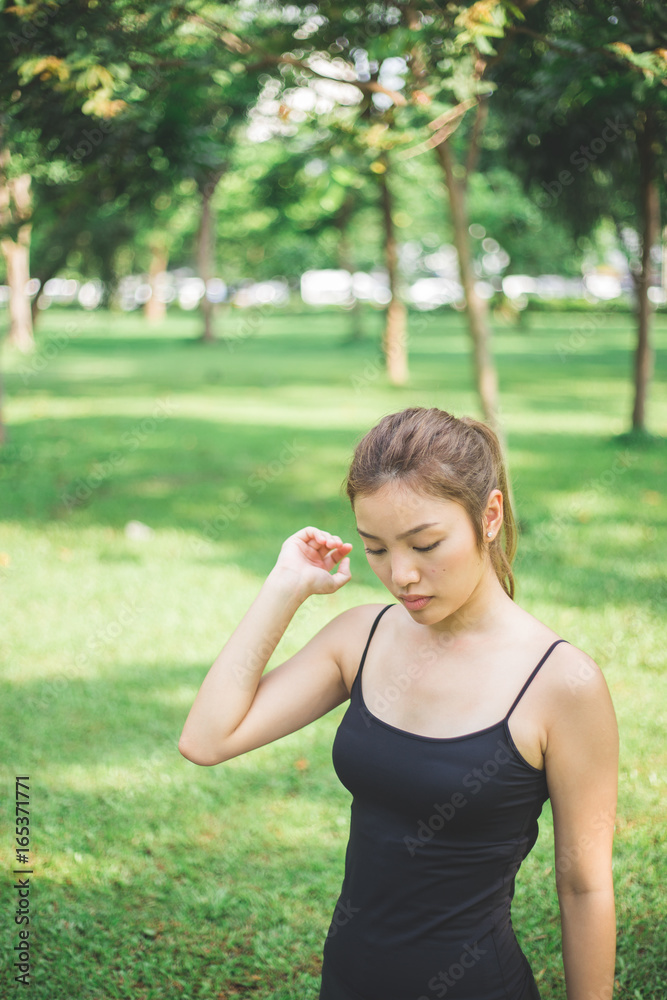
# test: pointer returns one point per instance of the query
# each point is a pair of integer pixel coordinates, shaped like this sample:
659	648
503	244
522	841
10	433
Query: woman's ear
493	515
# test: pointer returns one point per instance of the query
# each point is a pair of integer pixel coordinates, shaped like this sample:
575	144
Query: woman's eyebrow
412	531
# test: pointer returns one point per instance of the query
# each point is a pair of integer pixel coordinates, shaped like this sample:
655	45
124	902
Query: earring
489	534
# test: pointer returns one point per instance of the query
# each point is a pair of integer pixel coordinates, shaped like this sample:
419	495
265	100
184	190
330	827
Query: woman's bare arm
582	773
220	724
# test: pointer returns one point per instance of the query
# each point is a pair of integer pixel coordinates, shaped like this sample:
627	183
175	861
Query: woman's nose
404	571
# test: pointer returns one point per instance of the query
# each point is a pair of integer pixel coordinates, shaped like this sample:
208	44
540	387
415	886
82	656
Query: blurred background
234	236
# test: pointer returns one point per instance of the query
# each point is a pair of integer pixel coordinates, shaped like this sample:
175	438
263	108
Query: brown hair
443	456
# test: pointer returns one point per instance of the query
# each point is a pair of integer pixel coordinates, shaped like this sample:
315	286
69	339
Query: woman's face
422	547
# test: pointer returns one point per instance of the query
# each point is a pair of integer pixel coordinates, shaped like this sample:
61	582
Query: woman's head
429	453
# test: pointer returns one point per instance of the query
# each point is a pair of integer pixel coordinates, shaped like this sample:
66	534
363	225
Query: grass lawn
156	879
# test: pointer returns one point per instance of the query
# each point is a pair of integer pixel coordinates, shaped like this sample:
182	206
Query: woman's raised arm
220	723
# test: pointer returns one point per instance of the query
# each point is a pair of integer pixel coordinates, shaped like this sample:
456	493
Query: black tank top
438	830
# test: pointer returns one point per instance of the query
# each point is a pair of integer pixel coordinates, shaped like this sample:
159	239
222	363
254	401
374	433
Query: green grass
154	878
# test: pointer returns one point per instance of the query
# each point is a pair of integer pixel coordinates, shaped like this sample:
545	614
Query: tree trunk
476	310
15	215
17	261
650	220
205	262
346	263
155	309
3	433
206	248
395	332
48	271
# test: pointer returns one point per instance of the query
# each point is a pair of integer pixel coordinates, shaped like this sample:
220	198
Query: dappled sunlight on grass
209	873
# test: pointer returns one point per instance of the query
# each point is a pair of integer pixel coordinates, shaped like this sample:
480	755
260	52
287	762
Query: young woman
466	713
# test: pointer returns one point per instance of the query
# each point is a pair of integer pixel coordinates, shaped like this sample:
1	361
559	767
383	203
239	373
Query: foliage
179	90
577	93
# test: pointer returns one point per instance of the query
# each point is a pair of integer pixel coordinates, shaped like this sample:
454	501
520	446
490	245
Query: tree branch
446	124
236	44
365	86
232	41
562	48
518	29
453	113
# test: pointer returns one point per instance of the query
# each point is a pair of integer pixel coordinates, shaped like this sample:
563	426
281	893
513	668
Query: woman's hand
307	557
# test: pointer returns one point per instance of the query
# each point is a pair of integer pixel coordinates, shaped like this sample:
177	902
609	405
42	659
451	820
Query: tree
15	227
583	95
318	185
60	101
185	76
350	135
416	68
395	332
449	65
138	92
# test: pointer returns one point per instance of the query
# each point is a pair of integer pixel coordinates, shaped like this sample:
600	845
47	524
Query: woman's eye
378	552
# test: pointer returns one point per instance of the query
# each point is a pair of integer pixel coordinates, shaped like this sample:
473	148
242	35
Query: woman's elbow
575	883
197	755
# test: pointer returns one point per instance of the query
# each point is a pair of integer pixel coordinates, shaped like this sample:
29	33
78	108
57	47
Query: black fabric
438	830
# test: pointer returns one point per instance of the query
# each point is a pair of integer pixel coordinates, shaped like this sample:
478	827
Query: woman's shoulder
569	673
351	629
570	690
568	669
579	711
575	672
357	621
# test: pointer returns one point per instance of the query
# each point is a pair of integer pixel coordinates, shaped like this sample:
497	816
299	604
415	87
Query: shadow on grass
126	723
169	471
248	486
291	349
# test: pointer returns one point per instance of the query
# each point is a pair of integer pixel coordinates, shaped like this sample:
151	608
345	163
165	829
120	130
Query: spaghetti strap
525	687
370	636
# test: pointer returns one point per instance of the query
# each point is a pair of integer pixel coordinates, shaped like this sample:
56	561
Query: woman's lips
415	601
